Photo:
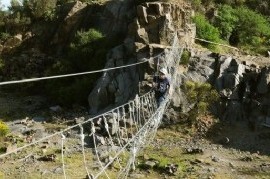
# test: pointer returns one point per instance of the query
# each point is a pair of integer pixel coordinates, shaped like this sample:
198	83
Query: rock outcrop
147	35
242	85
70	24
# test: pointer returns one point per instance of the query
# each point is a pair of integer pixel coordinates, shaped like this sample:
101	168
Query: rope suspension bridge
127	129
107	144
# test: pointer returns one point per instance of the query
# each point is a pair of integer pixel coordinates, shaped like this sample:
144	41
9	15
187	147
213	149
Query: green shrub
4	36
226	21
4	129
202	95
38	9
185	57
196	4
206	31
86	37
252	27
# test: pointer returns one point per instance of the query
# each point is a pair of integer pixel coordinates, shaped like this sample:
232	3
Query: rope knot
93	129
82	134
63	137
106	124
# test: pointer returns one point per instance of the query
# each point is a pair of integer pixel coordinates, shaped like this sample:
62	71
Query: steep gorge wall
148	35
146	30
244	86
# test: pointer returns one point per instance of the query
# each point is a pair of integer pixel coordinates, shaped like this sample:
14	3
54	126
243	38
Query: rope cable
64	130
96	151
144	60
63	137
83	151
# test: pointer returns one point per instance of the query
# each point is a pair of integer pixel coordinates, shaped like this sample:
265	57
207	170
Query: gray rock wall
242	85
147	35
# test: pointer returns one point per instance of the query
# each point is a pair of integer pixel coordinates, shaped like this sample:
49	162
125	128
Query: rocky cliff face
243	85
147	36
111	18
145	30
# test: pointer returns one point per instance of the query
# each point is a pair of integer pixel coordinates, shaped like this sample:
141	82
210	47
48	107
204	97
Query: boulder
13	41
200	70
264	80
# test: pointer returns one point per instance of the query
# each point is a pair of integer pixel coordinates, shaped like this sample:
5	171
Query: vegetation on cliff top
239	23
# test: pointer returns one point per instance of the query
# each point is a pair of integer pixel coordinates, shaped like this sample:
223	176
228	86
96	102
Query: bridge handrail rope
69	128
128	143
63	137
207	41
143	60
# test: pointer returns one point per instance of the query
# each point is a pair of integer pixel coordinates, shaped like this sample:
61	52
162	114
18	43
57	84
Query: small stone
215	159
171	168
212	170
194	150
58	170
150	164
247	159
145	157
48	158
199	160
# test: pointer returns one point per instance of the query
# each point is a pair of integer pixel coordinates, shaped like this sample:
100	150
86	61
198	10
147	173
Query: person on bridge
161	86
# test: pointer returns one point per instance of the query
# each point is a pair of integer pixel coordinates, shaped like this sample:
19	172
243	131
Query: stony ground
209	149
226	151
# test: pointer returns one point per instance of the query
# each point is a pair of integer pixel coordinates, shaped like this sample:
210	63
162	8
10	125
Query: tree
206	31
38	9
252	27
226	21
16	20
